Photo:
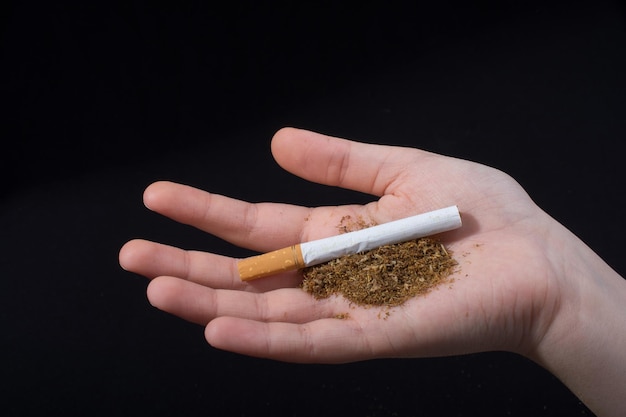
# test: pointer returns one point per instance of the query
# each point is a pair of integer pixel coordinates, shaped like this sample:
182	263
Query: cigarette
323	250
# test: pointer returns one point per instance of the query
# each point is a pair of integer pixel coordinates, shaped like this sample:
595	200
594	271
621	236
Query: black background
99	99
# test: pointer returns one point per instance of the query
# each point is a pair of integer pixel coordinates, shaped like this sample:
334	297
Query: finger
200	304
260	226
434	325
152	259
328	340
338	162
257	226
407	180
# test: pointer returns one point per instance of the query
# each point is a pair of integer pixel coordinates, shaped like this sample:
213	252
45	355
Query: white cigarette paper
323	250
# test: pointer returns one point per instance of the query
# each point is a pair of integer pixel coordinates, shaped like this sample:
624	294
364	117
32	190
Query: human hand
503	296
525	283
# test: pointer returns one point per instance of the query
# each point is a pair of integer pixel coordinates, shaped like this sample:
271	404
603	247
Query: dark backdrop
101	98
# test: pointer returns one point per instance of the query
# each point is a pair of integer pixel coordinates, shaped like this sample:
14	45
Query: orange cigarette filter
270	263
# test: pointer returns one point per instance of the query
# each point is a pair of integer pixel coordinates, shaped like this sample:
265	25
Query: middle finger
153	259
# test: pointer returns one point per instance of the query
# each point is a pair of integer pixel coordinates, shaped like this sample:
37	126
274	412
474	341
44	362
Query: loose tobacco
385	276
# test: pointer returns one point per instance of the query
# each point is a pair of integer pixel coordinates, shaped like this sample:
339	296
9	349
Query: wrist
584	344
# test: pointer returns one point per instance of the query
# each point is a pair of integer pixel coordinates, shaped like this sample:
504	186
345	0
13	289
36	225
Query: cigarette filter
323	250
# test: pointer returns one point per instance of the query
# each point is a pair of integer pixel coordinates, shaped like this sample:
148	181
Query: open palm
502	298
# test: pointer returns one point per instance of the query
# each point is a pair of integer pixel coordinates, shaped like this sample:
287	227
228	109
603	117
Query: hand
514	280
491	305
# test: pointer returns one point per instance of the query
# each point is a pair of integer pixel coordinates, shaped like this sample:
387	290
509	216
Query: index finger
258	226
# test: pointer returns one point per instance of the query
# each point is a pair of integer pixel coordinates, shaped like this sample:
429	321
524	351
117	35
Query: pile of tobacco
385	276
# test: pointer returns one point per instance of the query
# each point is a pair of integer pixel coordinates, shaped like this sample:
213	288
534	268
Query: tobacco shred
385	276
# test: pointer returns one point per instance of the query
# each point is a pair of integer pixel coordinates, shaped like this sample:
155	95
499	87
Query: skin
525	285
